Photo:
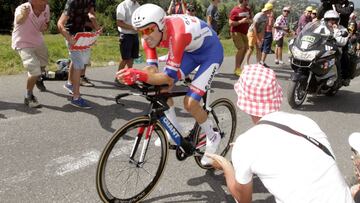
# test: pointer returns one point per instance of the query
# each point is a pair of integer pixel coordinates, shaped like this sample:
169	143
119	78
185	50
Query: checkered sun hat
258	91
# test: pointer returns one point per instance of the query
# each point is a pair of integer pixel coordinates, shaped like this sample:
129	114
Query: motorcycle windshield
311	36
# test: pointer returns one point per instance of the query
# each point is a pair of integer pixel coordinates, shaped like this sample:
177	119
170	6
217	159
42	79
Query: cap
268	6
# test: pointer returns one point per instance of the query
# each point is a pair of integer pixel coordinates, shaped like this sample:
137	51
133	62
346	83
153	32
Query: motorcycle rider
330	26
343	7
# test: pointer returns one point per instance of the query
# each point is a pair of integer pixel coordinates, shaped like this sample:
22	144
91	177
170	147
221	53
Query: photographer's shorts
34	58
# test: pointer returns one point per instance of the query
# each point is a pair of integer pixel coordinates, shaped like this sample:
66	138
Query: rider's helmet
147	14
331	14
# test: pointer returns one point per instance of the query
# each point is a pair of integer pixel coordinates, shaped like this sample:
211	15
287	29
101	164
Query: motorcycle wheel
296	94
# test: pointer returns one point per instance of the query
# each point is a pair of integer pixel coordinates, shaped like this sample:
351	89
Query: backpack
62	71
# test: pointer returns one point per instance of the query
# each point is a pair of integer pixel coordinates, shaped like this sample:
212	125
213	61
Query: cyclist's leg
188	64
201	83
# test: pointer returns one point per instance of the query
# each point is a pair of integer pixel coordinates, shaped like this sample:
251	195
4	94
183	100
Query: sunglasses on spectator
286	11
148	30
191	10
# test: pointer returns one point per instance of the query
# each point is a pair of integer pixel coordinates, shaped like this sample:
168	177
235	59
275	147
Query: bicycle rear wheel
223	115
131	165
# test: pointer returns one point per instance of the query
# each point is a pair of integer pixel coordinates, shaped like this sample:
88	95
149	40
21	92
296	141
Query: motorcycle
315	59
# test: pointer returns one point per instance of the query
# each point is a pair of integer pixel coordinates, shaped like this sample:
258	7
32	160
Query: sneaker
211	147
264	64
281	62
81	103
32	102
276	61
40	85
84	81
69	87
237	72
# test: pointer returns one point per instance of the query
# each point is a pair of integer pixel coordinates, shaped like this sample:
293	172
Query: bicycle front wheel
223	115
131	164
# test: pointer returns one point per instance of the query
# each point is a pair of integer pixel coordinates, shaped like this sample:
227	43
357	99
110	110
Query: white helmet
147	14
331	14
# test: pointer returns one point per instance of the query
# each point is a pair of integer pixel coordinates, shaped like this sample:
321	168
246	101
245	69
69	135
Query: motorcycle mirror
354	141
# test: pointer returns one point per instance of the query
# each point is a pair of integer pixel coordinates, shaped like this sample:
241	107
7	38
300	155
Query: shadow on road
106	114
18	107
344	101
216	182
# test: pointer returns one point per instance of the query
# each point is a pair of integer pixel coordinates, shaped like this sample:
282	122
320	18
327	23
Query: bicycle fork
144	147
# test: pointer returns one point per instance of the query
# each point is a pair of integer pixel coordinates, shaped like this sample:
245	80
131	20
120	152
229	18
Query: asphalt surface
50	154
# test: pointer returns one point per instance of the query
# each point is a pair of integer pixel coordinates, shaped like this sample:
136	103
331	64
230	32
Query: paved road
50	154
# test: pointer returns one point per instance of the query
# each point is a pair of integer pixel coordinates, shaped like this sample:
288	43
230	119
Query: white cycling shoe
158	141
211	147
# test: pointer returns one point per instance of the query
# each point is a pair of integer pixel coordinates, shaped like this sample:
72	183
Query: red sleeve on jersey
178	39
150	53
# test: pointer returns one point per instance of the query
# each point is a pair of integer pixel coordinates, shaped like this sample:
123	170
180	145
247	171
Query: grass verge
105	50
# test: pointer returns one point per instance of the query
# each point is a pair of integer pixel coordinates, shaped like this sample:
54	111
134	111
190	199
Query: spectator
190	10
281	28
177	7
84	81
314	15
354	141
129	39
256	31
268	38
212	15
294	168
239	20
304	19
71	22
31	19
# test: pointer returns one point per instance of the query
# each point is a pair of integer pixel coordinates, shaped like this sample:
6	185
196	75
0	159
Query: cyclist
191	42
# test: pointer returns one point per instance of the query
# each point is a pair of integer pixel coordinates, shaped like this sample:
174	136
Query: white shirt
124	12
291	168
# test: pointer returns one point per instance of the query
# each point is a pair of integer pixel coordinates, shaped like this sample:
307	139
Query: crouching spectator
288	152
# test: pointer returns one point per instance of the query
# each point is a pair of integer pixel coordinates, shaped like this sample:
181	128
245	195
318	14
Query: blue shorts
266	45
79	58
208	57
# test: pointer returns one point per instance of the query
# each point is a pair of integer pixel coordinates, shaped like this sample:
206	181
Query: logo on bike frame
171	129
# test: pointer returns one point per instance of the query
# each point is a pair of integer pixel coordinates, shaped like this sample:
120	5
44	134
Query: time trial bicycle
131	165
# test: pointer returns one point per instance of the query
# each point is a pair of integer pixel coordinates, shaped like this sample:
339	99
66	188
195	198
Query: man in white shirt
129	39
290	166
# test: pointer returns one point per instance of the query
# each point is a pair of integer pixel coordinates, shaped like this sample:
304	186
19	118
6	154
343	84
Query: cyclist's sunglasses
148	30
191	10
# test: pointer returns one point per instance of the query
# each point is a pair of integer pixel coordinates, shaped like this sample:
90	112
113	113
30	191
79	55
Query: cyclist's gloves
130	75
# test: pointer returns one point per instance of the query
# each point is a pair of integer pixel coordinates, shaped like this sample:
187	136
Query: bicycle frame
157	108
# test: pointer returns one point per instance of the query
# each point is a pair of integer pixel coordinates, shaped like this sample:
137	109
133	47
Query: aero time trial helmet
147	14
